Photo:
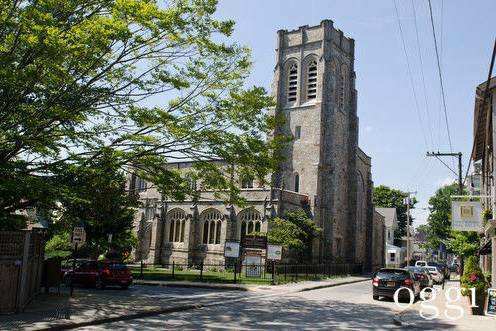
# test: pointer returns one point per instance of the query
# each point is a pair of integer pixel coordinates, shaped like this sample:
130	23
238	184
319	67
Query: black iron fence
274	273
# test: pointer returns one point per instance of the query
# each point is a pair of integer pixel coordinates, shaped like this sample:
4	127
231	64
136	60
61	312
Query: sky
394	131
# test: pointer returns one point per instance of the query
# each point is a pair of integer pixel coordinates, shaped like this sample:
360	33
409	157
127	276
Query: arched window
297	182
177	233
177	219
212	225
247	183
182	231
205	232
171	231
218	228
312	80
250	221
250	227
292	82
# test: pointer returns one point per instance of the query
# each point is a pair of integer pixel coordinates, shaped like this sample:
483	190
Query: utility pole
459	155
408	253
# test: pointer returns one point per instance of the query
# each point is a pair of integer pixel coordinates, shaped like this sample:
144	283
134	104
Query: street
346	307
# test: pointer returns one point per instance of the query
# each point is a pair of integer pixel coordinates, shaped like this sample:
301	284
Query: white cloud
445	181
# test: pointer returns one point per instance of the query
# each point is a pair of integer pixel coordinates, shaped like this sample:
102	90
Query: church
324	171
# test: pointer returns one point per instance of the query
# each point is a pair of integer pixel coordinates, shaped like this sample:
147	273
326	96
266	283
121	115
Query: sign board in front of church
466	215
231	249
255	242
274	252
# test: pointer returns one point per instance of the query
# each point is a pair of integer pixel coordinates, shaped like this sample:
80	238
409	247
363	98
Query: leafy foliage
59	245
439	220
151	82
387	197
295	232
473	277
96	198
464	243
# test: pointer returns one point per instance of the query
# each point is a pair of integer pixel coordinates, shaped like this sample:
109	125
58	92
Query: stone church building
325	171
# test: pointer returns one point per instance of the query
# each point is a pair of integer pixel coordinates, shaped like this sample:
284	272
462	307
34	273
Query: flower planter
480	301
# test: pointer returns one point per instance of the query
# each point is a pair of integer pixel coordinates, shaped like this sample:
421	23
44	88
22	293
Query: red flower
473	277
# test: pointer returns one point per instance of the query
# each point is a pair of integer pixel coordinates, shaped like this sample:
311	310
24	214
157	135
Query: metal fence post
285	265
273	272
306	272
296	272
201	270
173	267
235	271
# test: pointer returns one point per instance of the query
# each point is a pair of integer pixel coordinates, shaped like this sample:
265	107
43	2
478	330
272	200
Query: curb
318	287
75	325
194	285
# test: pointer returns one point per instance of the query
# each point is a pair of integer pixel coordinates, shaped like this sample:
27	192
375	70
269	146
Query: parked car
387	280
99	274
67	265
437	275
420	263
454	267
422	275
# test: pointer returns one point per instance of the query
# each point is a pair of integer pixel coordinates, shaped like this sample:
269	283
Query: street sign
274	252
231	249
78	235
466	215
255	242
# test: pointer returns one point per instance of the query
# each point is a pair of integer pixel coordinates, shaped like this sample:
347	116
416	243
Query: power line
481	105
422	74
410	73
440	78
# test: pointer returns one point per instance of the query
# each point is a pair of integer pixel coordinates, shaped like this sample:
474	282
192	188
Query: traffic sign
78	235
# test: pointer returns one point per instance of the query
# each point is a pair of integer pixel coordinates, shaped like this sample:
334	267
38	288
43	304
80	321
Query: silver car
437	275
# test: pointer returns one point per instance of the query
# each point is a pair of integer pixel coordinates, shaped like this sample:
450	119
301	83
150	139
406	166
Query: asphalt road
346	307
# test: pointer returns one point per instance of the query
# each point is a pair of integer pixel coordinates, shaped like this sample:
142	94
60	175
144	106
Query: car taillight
375	281
408	282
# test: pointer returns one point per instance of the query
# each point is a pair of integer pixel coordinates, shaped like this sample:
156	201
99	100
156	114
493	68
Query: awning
486	248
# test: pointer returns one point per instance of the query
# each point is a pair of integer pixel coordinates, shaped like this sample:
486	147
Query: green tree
387	197
294	231
463	243
155	82
96	198
439	220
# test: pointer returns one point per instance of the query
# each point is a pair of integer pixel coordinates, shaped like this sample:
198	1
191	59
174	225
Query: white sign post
466	215
231	249
78	236
274	252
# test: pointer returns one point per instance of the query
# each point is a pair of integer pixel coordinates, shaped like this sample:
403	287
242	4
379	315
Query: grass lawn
220	276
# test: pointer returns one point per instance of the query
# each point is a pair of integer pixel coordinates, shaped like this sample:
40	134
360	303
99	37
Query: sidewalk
62	312
411	316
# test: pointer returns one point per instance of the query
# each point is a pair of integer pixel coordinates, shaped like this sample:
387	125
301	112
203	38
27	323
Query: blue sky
390	129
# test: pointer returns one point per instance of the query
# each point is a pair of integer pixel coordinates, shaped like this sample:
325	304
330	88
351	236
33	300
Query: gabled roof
390	217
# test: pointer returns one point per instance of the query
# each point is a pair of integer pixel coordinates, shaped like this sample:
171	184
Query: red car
99	274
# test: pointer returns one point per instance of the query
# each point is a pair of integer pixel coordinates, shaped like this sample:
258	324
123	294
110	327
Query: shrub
473	278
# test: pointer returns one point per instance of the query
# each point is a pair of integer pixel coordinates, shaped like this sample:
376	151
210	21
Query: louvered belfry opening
312	81
293	83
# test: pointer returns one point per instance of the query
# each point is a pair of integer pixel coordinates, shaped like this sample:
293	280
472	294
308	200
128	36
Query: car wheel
375	297
99	284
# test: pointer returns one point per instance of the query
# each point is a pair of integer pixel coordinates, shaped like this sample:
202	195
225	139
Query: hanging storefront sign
466	215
